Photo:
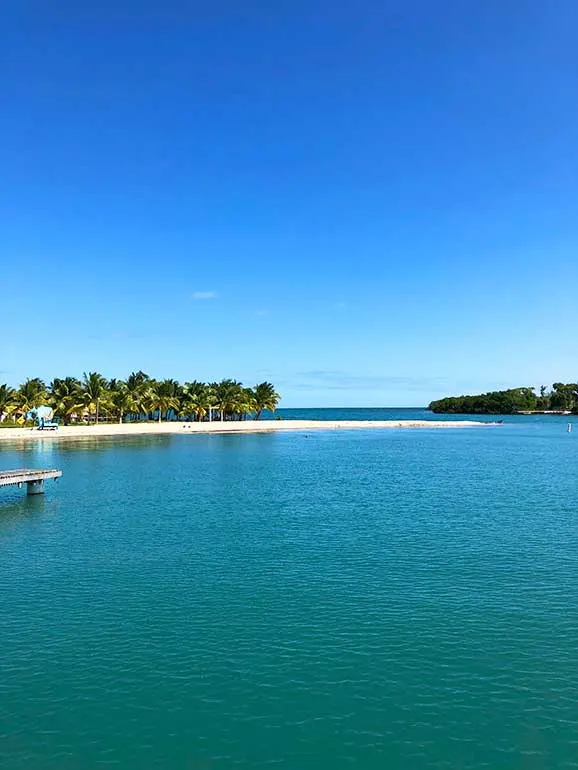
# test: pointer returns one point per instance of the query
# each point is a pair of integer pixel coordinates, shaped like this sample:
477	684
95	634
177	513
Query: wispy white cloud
205	295
261	312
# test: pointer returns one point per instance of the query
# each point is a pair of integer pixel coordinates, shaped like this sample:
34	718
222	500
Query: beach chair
47	424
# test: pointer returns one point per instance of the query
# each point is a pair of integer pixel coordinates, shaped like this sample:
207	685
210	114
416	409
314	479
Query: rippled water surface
376	599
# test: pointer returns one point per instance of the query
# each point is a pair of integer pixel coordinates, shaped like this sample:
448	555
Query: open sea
373	599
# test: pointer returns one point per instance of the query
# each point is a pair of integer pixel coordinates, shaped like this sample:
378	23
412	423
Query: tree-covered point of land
561	396
94	398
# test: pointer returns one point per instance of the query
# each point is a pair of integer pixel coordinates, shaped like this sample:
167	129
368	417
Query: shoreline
197	428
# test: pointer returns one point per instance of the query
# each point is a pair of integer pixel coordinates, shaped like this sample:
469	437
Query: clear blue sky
368	203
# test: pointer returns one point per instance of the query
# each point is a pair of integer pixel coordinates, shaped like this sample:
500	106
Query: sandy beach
250	426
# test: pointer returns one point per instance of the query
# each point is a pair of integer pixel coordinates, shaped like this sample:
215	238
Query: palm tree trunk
160	414
97	412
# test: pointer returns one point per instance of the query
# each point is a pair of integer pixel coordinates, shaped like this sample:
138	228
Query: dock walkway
33	478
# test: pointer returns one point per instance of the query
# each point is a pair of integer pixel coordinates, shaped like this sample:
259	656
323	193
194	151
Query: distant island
561	398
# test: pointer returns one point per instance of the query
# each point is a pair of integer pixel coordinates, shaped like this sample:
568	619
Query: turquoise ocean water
371	599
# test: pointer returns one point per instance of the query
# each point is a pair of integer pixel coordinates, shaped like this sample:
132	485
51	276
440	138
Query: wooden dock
34	479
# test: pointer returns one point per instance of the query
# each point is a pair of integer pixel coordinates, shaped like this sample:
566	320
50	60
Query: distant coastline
196	428
561	398
545	411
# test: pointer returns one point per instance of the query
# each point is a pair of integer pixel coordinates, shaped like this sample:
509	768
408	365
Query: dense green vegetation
138	397
561	396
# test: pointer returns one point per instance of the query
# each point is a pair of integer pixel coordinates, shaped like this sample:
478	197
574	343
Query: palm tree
94	386
66	397
6	400
197	399
247	403
29	396
228	397
137	386
266	397
164	396
119	399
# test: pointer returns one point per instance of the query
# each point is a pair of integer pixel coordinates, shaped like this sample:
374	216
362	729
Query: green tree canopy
562	397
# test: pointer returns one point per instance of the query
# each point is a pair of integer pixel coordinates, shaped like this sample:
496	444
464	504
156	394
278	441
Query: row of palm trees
138	397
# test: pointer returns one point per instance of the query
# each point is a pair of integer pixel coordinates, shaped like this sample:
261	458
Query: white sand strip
249	426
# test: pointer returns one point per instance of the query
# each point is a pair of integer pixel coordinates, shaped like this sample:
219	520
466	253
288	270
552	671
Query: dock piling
35	487
34	479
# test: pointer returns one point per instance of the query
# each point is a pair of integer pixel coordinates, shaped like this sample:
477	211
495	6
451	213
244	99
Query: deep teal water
372	599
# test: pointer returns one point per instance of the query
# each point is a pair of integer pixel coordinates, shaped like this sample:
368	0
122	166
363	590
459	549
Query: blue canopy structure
46	412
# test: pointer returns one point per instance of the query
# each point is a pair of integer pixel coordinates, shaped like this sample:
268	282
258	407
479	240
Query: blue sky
366	203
